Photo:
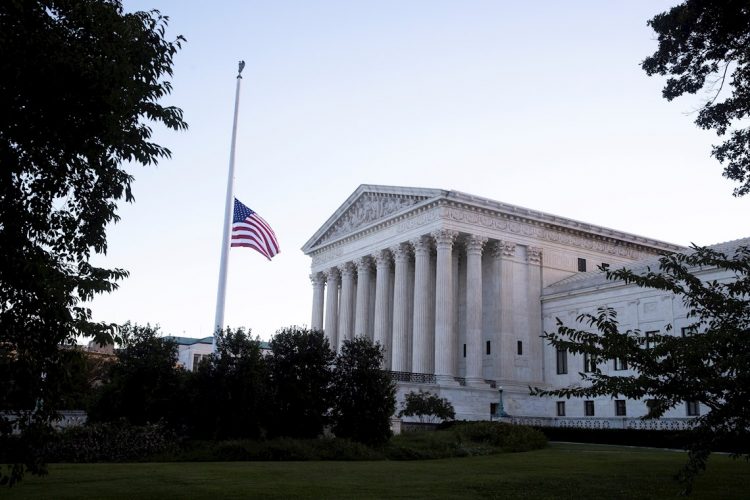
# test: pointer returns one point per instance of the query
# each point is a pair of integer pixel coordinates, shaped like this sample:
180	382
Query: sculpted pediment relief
367	209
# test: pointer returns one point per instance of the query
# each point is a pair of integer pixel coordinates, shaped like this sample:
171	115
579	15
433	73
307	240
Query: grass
559	471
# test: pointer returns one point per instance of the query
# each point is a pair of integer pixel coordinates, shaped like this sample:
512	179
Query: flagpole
228	214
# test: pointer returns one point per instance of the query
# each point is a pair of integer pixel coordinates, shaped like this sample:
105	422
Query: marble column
382	331
332	307
361	317
507	334
400	345
423	340
346	302
534	287
474	246
445	352
319	284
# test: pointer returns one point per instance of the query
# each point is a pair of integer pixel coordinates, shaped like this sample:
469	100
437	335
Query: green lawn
560	471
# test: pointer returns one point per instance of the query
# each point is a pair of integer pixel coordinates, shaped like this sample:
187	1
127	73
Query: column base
448	380
476	382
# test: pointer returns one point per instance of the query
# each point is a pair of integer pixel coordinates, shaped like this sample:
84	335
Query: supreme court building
454	285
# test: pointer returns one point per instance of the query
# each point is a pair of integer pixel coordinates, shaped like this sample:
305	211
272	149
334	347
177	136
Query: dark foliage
364	395
300	371
80	84
144	385
110	442
427	406
706	45
710	366
229	390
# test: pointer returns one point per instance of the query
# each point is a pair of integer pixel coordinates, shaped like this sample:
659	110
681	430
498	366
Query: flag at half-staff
250	230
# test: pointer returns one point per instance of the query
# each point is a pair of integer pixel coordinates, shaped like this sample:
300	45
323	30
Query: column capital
364	264
444	238
383	258
318	279
534	255
422	245
496	249
401	252
332	274
475	244
509	248
347	270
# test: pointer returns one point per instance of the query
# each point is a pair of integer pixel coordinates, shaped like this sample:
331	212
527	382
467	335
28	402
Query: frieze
327	256
545	233
369	208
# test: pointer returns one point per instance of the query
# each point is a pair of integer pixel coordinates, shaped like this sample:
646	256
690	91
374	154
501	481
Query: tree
300	372
145	384
706	45
80	85
229	390
427	406
710	366
364	395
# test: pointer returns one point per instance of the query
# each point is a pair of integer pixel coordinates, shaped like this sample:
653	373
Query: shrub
427	407
513	438
110	442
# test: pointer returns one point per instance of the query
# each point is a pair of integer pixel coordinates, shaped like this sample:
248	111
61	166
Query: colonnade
414	311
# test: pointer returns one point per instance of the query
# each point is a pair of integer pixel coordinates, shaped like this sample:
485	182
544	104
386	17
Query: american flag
250	230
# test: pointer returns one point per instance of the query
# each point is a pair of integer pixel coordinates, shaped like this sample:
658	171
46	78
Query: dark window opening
561	408
520	348
589	364
620	410
581	265
464	350
562	361
588	408
693	408
489	348
493	409
621	364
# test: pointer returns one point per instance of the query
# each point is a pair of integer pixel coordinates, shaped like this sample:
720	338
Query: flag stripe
250	230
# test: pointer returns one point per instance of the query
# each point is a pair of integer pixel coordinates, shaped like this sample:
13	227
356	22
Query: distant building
458	289
190	351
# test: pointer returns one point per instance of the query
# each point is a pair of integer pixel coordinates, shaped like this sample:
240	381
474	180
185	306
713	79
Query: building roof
190	340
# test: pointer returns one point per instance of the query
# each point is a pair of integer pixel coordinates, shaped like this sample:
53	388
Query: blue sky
540	104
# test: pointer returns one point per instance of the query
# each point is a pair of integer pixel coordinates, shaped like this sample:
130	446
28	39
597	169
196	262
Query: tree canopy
709	365
706	45
80	88
427	406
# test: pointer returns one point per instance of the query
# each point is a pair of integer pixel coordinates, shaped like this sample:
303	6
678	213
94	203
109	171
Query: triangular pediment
368	205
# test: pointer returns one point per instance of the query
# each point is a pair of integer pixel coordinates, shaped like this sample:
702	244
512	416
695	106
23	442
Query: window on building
650	404
562	361
581	265
687	331
464	350
650	341
588	408
693	408
493	409
621	364
197	358
488	348
620	408
519	347
561	408
589	363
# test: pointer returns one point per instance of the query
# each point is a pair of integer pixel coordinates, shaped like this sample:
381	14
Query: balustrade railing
416	378
661	424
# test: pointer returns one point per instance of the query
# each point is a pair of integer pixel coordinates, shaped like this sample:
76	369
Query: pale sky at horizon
542	105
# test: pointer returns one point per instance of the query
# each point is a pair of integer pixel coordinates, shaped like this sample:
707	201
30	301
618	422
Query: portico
449	283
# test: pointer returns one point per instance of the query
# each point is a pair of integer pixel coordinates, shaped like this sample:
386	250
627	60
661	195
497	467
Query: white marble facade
451	285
